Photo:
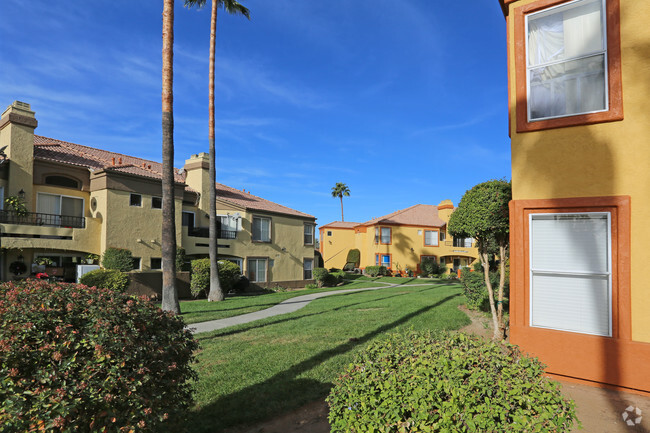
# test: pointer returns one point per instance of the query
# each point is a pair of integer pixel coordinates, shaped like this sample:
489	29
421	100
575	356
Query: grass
258	370
202	310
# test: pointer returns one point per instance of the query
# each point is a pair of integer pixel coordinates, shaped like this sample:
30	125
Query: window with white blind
566	60
261	229
308	267
54	204
386	235
309	234
571	272
430	238
257	270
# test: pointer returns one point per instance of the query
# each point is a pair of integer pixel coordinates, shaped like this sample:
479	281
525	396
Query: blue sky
405	102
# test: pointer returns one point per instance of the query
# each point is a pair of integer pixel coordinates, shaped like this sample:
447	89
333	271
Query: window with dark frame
135	200
156	202
156	263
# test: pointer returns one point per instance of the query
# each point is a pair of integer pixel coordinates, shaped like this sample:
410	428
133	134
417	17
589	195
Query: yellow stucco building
578	74
399	241
81	200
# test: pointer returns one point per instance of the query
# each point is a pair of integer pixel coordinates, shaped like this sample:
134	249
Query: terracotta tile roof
50	149
252	202
341	225
424	215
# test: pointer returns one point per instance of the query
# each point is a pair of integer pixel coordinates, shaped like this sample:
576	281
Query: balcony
204	232
42	219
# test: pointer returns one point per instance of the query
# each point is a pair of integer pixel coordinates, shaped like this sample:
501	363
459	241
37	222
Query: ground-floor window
257	270
571	272
382	260
239	262
308	266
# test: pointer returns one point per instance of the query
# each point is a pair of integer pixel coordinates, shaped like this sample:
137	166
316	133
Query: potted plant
91	258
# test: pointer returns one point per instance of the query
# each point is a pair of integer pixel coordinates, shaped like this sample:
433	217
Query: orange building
578	74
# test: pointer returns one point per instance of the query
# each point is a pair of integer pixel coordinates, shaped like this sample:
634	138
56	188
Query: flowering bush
74	358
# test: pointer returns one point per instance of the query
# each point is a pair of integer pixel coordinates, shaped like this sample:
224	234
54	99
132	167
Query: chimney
17	126
198	178
445	208
113	161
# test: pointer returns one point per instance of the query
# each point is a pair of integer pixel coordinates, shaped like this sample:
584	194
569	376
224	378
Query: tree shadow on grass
257	325
286	390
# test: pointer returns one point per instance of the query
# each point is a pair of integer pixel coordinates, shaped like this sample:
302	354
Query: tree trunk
169	294
486	273
341	197
502	283
216	293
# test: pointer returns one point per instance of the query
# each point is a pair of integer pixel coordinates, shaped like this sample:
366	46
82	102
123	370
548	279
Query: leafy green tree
235	8
169	292
339	190
483	215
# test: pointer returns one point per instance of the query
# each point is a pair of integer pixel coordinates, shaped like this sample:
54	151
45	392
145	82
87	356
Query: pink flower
42	275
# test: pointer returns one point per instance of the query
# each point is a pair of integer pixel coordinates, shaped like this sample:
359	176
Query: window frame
152	202
612	69
139	261
577	274
269	219
131	196
305	260
61	197
312	228
381	235
151	259
266	269
380	262
435	238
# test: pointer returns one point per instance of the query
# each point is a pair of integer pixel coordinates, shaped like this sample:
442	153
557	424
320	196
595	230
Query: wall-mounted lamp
412	250
21	193
139	241
284	249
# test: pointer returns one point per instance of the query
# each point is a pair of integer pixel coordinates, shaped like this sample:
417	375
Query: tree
169	293
340	190
483	215
232	7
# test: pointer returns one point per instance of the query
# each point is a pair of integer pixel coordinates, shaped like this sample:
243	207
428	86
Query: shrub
431	268
322	276
74	358
417	382
241	284
311	286
180	259
229	277
117	258
111	279
476	291
354	256
374	271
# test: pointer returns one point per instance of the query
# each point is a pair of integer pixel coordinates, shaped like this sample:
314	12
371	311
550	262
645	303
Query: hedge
106	279
229	276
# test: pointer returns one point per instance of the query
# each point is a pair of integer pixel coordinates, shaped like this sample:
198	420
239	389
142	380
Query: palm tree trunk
169	294
216	294
341	197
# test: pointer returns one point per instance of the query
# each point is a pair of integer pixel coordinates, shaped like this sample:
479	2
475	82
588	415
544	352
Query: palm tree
232	7
169	294
340	190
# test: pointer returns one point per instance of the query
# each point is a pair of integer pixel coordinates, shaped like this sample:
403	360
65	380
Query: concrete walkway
284	307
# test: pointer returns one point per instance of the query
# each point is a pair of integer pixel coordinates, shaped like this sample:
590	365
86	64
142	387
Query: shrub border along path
284	307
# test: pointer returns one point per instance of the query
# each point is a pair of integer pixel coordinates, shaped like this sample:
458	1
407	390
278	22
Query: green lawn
202	310
256	371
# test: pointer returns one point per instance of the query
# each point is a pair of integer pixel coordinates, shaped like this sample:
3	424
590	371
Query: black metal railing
42	219
204	232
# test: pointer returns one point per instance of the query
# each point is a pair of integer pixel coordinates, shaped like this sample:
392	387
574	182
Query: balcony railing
204	232
42	219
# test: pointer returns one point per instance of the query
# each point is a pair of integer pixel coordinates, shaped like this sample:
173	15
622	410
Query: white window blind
261	229
570	265
257	270
430	238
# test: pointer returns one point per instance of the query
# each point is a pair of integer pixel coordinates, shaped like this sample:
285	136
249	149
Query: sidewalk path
284	307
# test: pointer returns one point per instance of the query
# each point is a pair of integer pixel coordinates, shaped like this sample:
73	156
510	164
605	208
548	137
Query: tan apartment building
399	240
80	200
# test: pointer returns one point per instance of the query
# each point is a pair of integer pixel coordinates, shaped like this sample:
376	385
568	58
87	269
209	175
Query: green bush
417	382
180	259
117	258
430	268
229	276
111	279
374	271
354	256
325	279
311	286
80	359
476	291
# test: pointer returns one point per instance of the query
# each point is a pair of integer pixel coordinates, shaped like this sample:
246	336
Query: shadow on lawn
292	318
284	391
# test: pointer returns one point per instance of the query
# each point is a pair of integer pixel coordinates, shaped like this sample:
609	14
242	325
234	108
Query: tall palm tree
232	7
340	190
169	294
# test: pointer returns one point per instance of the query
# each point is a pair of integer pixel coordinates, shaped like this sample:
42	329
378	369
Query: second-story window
385	235
261	229
442	236
135	200
430	238
156	203
309	234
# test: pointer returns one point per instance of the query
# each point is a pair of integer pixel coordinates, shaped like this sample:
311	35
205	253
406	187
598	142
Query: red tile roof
50	149
341	225
424	215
